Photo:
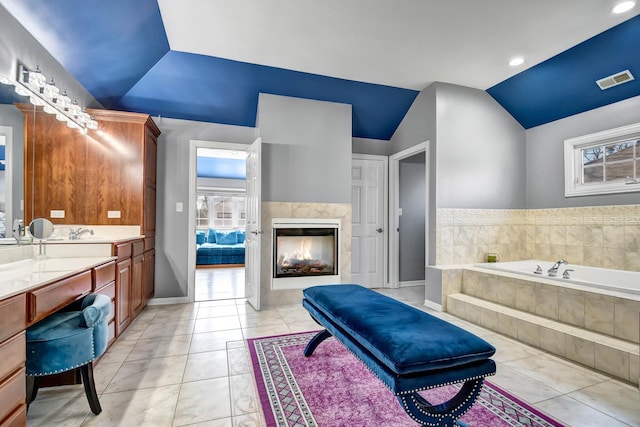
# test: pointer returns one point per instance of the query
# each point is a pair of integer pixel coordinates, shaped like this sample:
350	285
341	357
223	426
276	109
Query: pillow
200	237
226	237
211	236
241	235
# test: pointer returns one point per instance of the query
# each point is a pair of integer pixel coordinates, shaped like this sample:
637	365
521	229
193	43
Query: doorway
217	215
409	217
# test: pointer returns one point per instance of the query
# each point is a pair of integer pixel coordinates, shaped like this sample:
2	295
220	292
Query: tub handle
566	275
538	269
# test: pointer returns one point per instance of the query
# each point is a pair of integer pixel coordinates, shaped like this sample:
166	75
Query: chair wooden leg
32	389
90	387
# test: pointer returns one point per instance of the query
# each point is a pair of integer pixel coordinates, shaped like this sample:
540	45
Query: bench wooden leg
445	414
315	341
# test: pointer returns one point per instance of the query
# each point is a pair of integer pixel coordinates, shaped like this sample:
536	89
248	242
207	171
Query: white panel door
254	228
368	221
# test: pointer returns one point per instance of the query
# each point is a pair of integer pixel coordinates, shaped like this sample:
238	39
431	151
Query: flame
303	252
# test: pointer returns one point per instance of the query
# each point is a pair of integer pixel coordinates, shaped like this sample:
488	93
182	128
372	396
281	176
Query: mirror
11	159
41	228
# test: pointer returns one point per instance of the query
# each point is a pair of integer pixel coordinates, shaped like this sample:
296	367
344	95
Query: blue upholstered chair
68	341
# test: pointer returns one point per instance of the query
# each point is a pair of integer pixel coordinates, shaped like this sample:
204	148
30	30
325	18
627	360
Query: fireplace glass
301	252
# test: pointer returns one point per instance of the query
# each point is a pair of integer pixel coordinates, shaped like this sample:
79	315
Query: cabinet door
137	285
123	295
149	273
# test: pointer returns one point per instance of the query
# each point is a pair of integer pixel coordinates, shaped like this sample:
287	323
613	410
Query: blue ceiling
216	167
566	84
118	50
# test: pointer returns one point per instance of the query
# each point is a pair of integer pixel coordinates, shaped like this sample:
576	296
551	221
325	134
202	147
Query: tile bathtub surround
204	379
606	236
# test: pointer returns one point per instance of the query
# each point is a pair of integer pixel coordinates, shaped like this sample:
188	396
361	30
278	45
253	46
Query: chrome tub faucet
553	271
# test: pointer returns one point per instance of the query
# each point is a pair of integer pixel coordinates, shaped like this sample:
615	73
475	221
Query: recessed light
623	7
516	61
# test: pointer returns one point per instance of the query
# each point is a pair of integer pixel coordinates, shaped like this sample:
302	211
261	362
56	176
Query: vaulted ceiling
207	60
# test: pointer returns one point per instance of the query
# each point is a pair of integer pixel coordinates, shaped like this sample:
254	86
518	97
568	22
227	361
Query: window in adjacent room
603	163
221	211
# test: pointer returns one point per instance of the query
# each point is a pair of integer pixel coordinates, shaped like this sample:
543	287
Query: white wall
545	155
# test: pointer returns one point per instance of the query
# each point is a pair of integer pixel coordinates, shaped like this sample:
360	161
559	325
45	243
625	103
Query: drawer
137	248
149	243
13	316
104	274
12	393
53	297
108	290
13	354
122	251
17	419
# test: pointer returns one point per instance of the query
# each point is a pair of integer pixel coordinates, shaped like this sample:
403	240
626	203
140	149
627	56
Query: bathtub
615	280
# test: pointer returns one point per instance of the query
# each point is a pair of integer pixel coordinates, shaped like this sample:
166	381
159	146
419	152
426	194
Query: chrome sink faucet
553	271
76	234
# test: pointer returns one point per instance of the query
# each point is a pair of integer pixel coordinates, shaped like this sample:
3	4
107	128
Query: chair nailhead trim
57	371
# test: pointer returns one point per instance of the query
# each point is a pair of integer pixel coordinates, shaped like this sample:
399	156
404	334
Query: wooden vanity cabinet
13	320
133	281
122	174
104	177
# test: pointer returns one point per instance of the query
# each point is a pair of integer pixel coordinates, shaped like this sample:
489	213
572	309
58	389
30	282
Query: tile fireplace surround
272	210
605	236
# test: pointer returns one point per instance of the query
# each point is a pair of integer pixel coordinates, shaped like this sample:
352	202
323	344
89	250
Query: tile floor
219	283
179	365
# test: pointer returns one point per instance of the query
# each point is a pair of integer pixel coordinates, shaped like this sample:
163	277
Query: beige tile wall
607	236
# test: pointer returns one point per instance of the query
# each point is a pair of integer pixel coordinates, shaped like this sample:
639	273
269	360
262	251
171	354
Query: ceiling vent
615	79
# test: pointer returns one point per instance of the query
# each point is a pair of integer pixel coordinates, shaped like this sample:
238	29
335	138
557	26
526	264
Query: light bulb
37	80
74	108
64	101
92	124
51	91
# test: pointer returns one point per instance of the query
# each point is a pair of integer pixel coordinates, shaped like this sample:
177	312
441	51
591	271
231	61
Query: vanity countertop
24	275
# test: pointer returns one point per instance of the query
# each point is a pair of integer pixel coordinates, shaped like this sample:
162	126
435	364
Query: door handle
257	232
379	230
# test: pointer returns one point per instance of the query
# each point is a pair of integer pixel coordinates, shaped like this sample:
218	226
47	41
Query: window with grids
221	211
604	162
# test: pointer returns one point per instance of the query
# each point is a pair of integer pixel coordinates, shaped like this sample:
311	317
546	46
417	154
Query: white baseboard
165	301
433	305
411	283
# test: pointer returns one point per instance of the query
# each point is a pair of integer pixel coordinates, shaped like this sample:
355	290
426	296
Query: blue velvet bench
407	349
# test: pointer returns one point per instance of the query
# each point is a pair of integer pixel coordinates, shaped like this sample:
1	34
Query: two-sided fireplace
305	252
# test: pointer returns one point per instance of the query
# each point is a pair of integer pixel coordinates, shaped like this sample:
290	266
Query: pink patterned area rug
332	388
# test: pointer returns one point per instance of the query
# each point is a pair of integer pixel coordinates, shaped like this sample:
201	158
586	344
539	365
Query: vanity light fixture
623	6
34	84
